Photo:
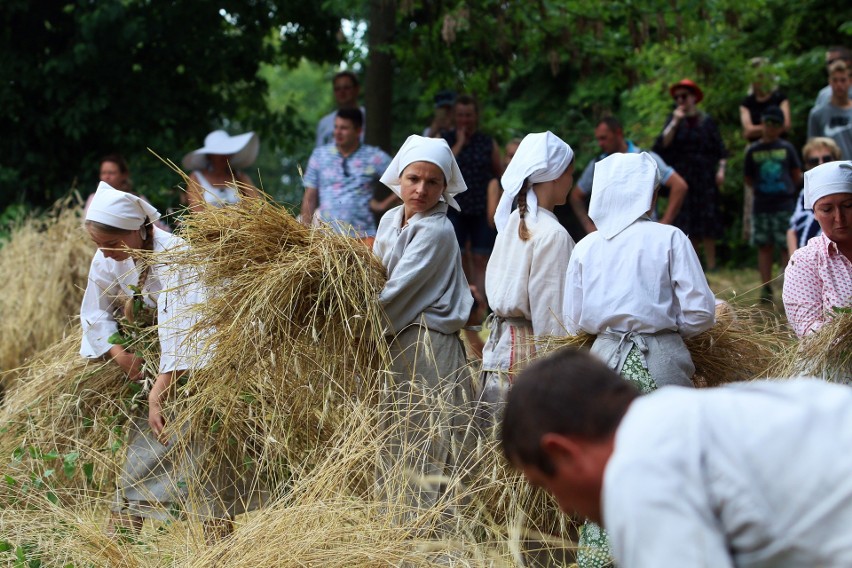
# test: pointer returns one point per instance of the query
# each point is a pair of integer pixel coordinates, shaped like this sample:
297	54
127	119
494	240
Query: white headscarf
540	157
622	191
827	179
120	209
432	150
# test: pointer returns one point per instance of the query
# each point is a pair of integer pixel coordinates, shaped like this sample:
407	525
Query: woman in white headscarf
427	301
818	278
639	287
121	225
216	179
525	278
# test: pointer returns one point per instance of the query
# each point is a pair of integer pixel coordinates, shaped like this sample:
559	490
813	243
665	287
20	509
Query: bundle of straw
66	414
293	314
826	354
44	265
742	346
331	517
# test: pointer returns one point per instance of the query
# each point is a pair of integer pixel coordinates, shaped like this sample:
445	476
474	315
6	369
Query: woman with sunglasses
692	145
803	225
818	278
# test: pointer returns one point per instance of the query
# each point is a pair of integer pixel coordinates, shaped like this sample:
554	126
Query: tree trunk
378	96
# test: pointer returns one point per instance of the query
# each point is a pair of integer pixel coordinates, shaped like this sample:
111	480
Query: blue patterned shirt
345	186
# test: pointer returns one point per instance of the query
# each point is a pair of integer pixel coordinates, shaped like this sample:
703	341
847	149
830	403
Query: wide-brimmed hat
242	149
688	84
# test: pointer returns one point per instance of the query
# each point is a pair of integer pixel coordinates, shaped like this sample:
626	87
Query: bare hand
155	414
720	178
128	361
679	114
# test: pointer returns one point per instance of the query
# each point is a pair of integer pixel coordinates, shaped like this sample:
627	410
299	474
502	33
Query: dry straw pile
44	264
745	344
826	354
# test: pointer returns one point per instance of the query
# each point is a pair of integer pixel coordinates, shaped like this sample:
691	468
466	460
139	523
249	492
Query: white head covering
622	191
242	149
432	150
120	209
827	179
540	157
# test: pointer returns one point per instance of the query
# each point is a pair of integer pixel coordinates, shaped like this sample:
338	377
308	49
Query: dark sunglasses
820	160
681	96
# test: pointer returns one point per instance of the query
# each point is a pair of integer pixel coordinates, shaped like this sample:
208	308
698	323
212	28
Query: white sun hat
242	149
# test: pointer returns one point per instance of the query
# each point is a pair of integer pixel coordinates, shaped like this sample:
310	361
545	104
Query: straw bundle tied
44	264
742	346
293	314
826	353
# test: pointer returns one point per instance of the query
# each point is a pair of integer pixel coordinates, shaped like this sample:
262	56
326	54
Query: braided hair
523	231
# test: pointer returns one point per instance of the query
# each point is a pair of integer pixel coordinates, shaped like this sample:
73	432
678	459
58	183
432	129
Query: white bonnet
827	179
120	209
433	150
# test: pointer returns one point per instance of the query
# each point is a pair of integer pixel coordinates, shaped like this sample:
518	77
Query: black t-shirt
756	108
769	165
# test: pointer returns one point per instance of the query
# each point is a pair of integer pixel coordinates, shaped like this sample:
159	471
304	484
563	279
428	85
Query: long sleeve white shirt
751	475
426	282
646	279
526	279
168	290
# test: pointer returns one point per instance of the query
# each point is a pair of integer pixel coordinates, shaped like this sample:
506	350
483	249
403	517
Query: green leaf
10	481
5	546
69	462
88	471
51	496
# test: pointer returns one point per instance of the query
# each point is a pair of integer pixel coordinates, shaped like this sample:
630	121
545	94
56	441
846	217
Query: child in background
772	172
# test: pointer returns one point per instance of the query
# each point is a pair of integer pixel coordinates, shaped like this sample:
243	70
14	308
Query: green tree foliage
85	78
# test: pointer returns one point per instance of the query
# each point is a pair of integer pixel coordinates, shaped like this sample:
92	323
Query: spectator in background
836	53
834	119
113	169
692	145
216	179
763	93
610	136
341	177
772	173
803	225
115	172
442	120
495	188
479	159
346	91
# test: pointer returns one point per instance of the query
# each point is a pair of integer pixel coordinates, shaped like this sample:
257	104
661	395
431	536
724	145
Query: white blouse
750	475
646	279
166	289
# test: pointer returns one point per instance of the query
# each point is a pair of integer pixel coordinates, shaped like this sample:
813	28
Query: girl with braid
121	224
525	277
